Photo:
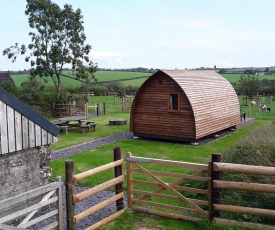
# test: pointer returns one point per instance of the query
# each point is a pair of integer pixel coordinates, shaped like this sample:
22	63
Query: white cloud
189	44
207	25
99	55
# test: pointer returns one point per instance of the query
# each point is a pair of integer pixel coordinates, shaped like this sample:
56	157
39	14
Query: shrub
257	148
99	90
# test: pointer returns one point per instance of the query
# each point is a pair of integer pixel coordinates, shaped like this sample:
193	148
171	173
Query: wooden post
215	194
86	108
104	108
129	180
123	104
70	110
60	204
97	110
70	187
249	110
118	172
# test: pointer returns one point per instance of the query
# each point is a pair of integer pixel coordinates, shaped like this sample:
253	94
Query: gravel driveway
90	145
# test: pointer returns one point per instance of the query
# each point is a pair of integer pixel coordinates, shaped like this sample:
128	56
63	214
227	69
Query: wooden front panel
213	99
18	132
150	113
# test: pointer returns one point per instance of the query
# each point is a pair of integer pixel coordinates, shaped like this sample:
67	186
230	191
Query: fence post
70	187
129	180
86	110
70	110
97	110
214	193
118	172
123	104
104	108
60	203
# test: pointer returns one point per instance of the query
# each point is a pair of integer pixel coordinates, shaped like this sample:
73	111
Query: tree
116	86
250	86
57	39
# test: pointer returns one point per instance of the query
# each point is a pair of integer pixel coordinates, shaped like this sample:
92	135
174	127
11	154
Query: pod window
173	102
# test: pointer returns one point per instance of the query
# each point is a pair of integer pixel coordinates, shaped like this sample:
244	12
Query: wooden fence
143	198
126	103
166	186
66	110
28	212
217	185
72	199
151	188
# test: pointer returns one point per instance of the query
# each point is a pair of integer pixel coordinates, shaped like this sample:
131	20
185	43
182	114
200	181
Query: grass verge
162	150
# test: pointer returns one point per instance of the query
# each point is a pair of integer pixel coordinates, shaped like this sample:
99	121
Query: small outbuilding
185	105
24	147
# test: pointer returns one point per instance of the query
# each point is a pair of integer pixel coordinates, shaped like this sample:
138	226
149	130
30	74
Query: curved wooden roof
212	97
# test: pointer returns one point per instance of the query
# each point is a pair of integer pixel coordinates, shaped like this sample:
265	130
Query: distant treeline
138	69
246	70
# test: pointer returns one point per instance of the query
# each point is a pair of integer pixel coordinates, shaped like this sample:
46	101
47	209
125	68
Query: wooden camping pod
184	105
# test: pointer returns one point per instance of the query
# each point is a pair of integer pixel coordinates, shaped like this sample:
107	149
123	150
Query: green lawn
162	150
254	110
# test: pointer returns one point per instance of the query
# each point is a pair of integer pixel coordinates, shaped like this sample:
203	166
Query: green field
102	76
236	77
20	78
135	82
134	79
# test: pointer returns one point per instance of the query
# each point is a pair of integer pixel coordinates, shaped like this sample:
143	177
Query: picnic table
66	122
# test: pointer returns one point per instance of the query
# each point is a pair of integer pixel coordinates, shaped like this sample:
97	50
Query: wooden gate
163	193
48	190
72	199
66	110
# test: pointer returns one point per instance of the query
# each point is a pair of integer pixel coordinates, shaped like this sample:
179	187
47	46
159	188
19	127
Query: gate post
70	188
129	180
60	204
118	172
214	193
97	110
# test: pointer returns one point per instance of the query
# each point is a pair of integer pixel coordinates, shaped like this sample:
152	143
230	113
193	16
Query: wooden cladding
18	132
184	105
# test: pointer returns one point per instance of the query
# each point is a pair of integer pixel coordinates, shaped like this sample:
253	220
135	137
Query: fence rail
149	191
173	187
48	190
72	199
217	185
193	209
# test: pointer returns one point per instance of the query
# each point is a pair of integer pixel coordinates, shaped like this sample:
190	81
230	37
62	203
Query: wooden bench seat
64	128
87	126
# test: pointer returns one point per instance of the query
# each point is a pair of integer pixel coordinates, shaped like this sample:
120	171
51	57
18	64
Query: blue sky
161	34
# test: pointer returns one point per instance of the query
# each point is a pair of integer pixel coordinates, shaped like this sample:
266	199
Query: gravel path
90	145
80	207
91	201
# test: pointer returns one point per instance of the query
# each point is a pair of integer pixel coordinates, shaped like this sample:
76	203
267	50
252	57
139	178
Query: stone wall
45	158
22	171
